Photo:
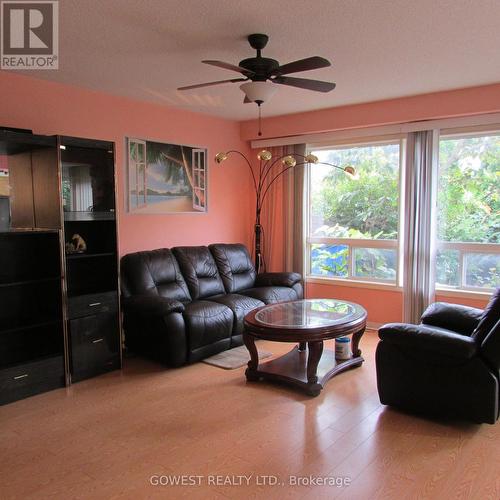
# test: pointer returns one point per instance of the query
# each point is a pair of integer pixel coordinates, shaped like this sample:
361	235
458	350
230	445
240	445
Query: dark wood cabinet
94	345
31	315
93	325
30	378
59	306
88	200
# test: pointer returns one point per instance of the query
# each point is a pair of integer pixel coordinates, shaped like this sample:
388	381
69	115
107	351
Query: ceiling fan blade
307	64
232	67
246	100
304	83
209	84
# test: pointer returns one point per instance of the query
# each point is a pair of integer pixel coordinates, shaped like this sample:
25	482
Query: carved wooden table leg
253	364
356	337
314	355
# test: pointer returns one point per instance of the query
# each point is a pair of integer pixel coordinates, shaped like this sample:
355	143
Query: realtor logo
30	35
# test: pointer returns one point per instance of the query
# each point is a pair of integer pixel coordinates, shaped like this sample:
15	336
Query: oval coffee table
308	322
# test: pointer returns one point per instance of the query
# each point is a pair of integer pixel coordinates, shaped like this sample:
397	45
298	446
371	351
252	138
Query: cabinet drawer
95	345
31	378
85	305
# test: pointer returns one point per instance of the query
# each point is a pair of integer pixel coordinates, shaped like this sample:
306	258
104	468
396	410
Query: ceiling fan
261	73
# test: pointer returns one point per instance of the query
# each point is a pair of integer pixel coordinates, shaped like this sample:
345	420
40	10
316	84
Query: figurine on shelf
77	245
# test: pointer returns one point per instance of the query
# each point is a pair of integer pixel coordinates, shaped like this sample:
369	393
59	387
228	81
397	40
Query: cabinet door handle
21	376
96	341
95	304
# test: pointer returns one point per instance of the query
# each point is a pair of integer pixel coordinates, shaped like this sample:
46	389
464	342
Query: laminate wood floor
107	437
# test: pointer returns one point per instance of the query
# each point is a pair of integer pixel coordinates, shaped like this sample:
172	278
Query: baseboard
370	325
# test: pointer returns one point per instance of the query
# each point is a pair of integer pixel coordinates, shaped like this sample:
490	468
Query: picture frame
164	178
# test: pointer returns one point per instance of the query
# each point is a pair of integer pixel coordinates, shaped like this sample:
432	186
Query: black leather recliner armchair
188	303
448	365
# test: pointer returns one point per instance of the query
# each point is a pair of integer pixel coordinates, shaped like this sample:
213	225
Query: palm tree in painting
178	169
172	157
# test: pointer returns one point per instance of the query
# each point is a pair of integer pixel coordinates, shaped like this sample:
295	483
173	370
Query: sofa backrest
154	272
235	266
200	271
490	317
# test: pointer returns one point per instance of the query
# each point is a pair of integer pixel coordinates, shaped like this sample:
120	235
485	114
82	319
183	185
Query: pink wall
52	108
382	306
462	102
479	303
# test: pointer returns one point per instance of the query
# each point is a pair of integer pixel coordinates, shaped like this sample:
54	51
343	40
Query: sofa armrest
278	279
429	338
458	318
152	305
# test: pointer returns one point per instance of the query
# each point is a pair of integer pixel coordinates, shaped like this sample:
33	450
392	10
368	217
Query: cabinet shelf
88	216
51	358
21	281
29	230
77	256
14	326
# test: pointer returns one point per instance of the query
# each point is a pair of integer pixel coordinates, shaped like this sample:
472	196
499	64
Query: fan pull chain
260	120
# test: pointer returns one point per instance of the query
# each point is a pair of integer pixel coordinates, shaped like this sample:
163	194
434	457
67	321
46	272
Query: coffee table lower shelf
291	368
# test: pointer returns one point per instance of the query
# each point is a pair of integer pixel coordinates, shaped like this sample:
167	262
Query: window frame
464	248
135	166
199	174
352	243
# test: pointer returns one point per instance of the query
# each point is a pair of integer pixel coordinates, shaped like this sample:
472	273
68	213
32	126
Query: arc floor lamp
265	174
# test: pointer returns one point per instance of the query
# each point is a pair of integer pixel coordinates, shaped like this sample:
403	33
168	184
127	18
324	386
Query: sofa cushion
200	271
271	294
240	305
235	266
206	323
154	272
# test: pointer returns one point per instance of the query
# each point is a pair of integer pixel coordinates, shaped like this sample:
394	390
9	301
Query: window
468	212
353	224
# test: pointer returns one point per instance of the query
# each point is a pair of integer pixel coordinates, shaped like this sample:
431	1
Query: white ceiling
380	49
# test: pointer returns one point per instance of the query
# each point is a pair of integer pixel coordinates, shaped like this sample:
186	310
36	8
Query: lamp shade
259	91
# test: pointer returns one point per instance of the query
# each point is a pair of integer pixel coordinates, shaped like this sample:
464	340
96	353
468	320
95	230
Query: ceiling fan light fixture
259	92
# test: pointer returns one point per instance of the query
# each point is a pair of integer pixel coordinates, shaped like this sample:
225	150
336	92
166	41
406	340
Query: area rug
234	358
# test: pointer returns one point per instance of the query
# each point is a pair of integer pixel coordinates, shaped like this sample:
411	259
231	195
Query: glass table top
310	313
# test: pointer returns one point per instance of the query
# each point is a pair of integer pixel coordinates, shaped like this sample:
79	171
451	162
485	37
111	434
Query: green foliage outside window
469	190
468	209
366	208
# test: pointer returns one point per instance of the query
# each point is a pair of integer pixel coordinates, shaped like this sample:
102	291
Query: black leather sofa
448	365
187	303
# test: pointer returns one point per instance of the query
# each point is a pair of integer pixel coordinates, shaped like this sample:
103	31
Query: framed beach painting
166	178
